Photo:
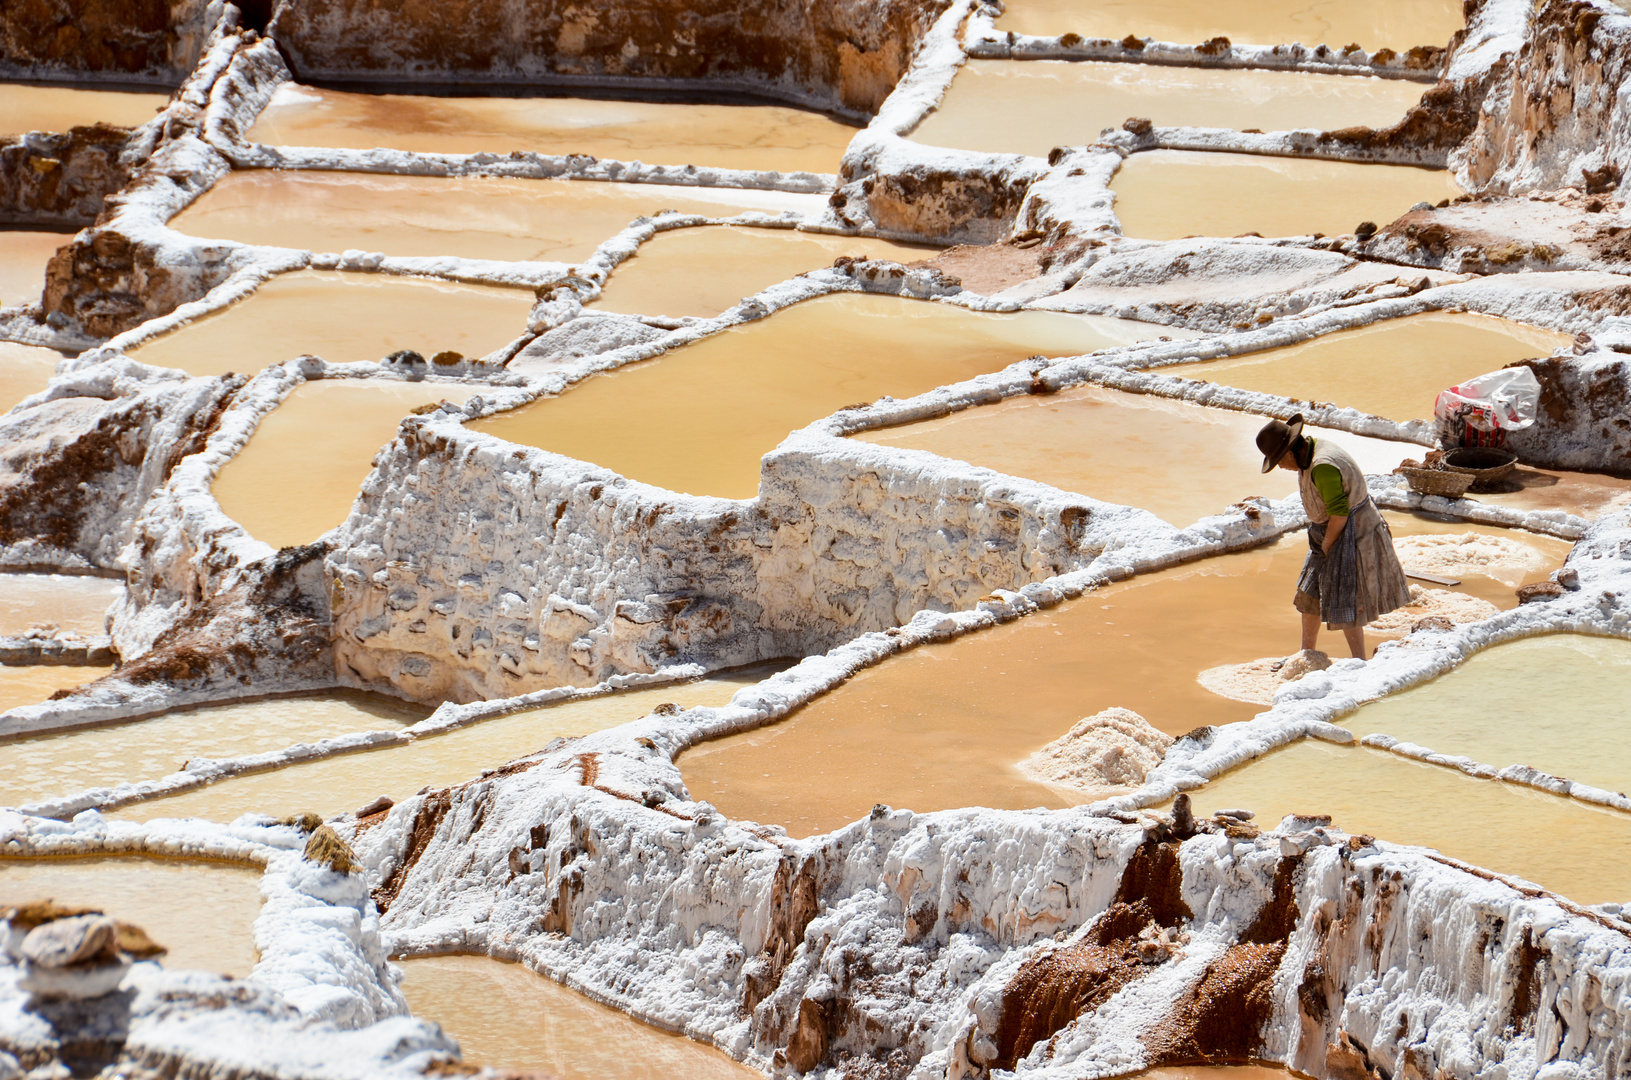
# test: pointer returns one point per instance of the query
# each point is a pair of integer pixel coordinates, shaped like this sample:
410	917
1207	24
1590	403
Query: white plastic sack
1505	400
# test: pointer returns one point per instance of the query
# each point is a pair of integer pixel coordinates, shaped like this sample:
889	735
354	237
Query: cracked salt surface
1561	844
508	1017
470	217
1395	24
1179	461
1394	368
202	912
66	763
657	133
945	725
340	784
1556	703
706	270
1031	106
301	471
776	375
1168	194
342	317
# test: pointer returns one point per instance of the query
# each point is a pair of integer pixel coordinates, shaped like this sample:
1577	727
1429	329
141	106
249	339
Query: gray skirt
1360	580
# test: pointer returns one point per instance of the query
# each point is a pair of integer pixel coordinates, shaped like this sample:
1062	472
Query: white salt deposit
1453	555
1111	749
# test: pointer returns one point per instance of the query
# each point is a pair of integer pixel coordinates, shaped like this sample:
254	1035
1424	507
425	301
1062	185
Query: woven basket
1451	485
1483	463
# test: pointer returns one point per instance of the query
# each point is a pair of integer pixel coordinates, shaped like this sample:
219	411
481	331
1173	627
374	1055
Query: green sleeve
1329	482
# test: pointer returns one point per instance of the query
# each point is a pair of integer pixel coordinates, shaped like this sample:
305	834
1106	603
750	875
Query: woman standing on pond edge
1351	576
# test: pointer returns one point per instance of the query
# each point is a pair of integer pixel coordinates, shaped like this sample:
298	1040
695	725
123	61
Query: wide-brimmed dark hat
1276	438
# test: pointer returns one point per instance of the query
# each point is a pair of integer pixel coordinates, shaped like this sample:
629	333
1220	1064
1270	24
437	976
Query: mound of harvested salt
1458	554
1257	680
1425	603
1116	748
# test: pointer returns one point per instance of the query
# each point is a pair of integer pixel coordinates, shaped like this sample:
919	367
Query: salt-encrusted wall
59	180
1553	117
843	55
473	568
144	41
1583	422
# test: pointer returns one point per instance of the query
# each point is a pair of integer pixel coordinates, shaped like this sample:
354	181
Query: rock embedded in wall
60	180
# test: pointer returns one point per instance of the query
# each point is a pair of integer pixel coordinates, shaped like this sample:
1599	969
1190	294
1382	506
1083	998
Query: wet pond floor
704	271
1564	845
65	601
657	133
24	371
302	469
1557	703
1395	24
946	725
1394	368
23	257
202	912
28	107
66	763
1031	106
1179	461
340	784
1168	194
343	318
508	1017
34	683
471	217
768	378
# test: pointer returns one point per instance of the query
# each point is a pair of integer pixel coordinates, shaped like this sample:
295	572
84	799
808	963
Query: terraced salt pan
510	1018
201	912
1564	845
24	371
1556	703
1393	368
1031	106
66	601
23	256
778	374
658	133
303	467
339	784
1395	24
34	683
1179	461
705	271
1168	194
945	725
70	762
343	317
25	108
472	217
1588	495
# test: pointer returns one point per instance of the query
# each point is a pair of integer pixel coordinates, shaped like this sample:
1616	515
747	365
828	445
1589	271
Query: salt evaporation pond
24	372
510	1018
704	271
339	784
657	133
945	725
202	912
479	217
23	258
1395	24
343	317
1168	194
1031	106
1589	495
303	467
66	601
26	108
69	762
1557	703
775	375
33	683
1393	368
1179	461
1572	848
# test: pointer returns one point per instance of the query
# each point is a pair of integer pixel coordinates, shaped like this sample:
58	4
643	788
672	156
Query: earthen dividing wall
119	41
